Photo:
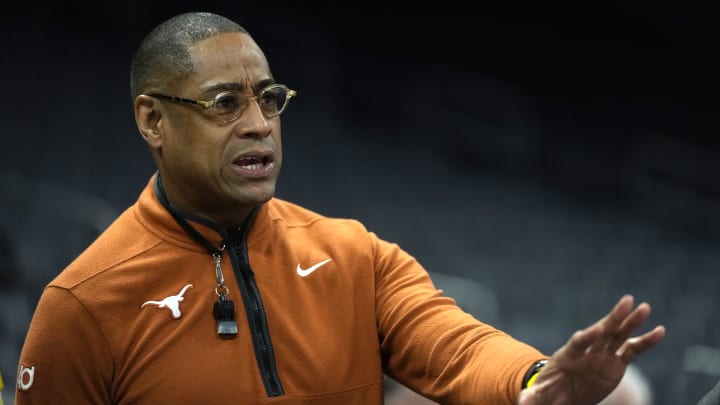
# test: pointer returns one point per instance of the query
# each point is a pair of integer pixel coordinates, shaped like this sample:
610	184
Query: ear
148	118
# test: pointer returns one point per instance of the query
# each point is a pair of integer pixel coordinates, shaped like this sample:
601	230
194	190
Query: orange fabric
91	340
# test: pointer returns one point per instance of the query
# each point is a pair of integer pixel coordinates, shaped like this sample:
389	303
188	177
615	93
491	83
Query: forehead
232	58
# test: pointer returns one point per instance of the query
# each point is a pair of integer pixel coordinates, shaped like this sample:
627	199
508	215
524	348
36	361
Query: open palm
592	363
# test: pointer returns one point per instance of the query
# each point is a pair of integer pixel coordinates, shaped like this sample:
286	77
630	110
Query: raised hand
592	363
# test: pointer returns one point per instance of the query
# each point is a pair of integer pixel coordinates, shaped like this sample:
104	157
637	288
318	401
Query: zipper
237	241
255	311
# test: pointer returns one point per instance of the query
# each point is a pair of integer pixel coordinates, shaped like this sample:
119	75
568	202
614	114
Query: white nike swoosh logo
305	272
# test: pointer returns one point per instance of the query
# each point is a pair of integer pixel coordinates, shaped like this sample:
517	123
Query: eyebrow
220	87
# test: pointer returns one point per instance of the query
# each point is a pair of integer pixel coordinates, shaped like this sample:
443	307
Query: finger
619	313
635	319
638	345
631	323
611	323
581	341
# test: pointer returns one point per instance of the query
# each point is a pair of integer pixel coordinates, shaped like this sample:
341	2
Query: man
210	290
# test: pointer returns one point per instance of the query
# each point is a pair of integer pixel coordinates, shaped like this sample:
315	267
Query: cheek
191	146
277	140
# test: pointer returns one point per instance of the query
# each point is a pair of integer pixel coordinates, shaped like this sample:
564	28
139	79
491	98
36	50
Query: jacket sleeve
434	347
65	359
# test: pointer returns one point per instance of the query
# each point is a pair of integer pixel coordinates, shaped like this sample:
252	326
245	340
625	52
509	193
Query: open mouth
254	162
254	165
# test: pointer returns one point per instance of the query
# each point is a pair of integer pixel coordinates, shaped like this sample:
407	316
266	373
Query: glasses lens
273	99
228	104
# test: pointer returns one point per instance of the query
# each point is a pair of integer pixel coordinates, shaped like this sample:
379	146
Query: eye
271	96
228	101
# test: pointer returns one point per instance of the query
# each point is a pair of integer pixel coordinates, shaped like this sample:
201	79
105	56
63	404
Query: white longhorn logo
172	302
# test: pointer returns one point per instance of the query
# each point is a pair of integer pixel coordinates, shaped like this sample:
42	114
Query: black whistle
224	312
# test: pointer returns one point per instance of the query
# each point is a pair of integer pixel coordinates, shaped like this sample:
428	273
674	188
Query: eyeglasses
228	105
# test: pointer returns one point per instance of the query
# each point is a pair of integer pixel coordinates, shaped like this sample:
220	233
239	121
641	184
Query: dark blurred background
559	155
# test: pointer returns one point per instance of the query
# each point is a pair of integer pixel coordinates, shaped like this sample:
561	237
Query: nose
252	122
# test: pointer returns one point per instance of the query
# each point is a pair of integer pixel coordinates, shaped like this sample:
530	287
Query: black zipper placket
257	320
237	243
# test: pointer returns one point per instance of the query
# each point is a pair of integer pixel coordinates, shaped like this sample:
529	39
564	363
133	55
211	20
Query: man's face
214	169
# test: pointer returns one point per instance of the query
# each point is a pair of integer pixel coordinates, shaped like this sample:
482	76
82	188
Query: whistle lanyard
224	308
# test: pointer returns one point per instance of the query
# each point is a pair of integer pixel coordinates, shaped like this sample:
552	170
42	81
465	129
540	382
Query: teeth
255	166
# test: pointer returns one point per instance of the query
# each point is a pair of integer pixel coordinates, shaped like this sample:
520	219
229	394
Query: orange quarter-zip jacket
323	308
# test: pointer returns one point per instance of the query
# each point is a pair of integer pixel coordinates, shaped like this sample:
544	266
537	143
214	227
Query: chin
258	195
